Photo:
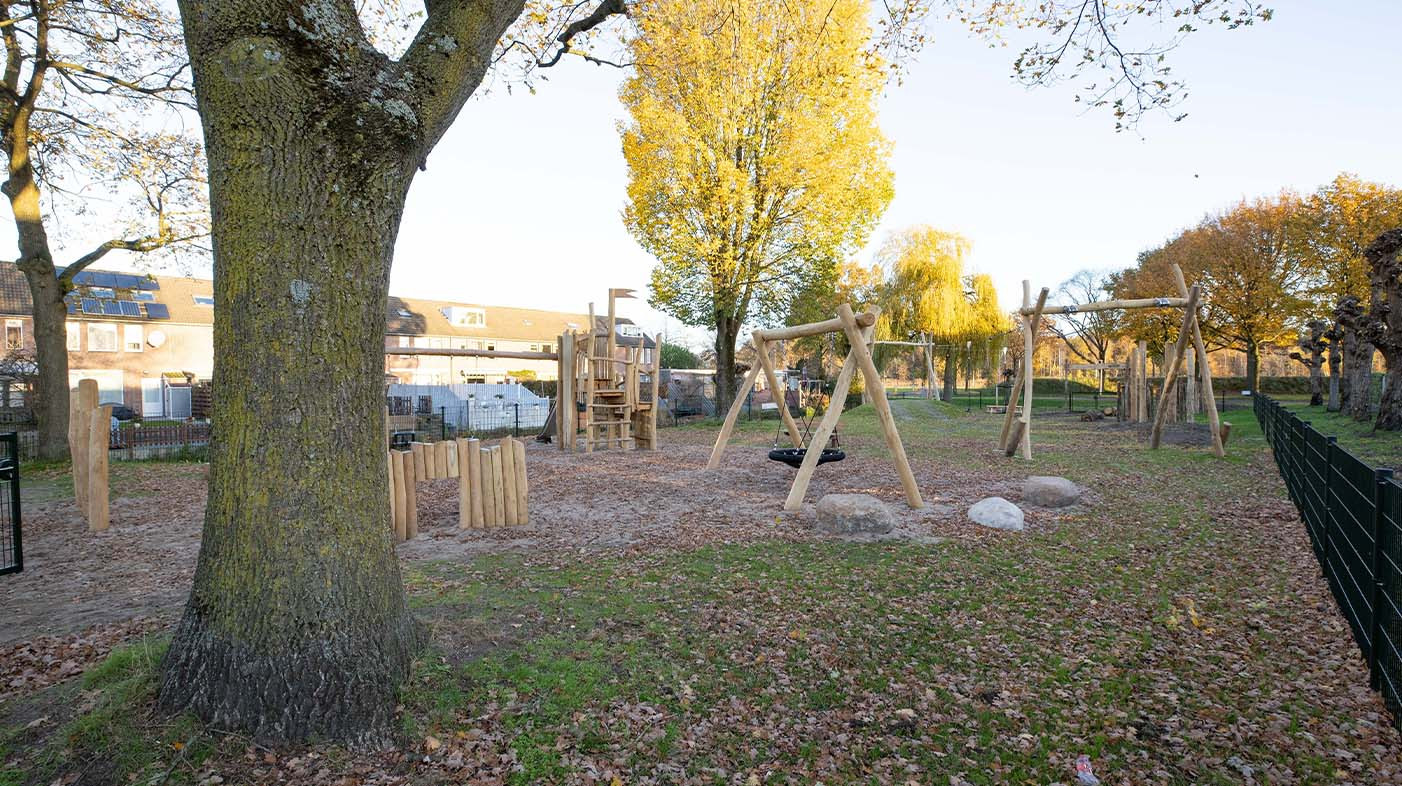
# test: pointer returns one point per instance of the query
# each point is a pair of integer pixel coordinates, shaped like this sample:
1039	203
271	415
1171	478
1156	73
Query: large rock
997	513
854	514
1049	491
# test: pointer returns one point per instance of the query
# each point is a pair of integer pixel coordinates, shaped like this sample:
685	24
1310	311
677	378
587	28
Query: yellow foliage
755	163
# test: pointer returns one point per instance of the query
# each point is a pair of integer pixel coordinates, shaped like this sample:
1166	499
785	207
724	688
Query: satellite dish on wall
156	338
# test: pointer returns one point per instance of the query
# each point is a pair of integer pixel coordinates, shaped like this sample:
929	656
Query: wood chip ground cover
660	624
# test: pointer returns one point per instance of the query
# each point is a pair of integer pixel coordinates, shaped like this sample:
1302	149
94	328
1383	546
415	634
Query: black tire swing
794	456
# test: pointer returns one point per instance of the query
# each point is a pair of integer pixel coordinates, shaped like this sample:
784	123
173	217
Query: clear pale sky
521	201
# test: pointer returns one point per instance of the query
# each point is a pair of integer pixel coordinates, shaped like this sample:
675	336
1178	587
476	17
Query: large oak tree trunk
951	374
1358	365
1253	366
36	262
50	402
297	625
1384	328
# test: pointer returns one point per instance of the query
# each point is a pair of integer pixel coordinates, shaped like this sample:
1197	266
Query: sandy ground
80	592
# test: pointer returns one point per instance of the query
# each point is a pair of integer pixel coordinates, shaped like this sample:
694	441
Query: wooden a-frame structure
858	329
1016	433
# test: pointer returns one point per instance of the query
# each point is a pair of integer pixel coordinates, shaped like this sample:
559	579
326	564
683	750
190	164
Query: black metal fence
1353	515
11	547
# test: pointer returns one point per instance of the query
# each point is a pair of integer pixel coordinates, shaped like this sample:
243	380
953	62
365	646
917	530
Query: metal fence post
516	429
1331	444
1375	625
442	423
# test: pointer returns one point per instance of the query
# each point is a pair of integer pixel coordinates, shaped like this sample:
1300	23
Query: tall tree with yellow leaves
755	164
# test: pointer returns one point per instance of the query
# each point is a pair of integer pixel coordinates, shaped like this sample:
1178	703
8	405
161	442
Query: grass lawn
1174	629
1379	448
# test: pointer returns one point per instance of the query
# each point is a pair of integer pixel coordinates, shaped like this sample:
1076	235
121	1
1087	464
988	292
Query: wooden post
1141	379
473	449
389	479
1190	387
1014	392
78	446
430	461
1014	438
450	449
883	407
929	349
656	386
489	511
507	454
564	393
819	438
733	415
403	481
417	448
1209	403
776	392
1029	343
522	504
99	438
411	494
589	383
464	485
498	488
1171	373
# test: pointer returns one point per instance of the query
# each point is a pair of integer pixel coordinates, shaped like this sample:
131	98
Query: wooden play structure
89	434
857	328
1134	404
601	388
492	485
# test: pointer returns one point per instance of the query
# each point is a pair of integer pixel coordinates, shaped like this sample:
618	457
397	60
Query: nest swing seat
794	456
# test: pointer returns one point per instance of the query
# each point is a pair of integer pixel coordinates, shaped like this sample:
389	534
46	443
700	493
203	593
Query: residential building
148	340
145	339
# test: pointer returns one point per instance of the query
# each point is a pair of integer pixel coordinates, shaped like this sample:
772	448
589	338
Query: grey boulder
997	513
1049	491
853	514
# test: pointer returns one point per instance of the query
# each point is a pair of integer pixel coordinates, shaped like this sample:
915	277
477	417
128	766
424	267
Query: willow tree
927	295
89	102
297	624
1089	335
754	160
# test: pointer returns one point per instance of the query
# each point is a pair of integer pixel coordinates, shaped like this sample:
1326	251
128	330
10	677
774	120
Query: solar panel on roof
145	296
146	283
157	311
130	308
72	307
104	280
91	306
125	281
111	308
83	277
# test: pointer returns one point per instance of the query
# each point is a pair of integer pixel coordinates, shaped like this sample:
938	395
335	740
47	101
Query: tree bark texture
1253	366
297	625
36	262
1384	322
951	374
727	333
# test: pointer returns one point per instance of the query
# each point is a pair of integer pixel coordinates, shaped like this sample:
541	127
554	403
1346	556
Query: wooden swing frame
858	330
1017	434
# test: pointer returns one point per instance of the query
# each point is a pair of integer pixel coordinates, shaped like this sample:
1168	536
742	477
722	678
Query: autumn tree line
1315	271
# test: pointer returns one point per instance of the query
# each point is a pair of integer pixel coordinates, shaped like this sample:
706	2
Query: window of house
630	331
14	334
404	342
462	316
75	336
102	337
132	338
204	300
491	346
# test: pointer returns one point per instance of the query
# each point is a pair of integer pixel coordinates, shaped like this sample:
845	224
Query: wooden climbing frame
1189	300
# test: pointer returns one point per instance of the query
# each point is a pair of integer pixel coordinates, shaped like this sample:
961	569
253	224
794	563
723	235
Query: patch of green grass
1379	448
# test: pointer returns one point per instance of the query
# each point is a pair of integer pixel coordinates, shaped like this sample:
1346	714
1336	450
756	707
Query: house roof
405	316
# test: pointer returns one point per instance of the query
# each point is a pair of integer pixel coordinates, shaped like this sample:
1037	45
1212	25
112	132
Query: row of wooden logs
89	434
492	488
